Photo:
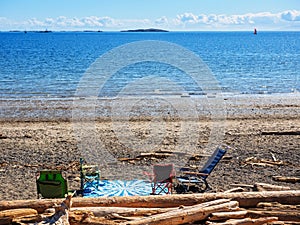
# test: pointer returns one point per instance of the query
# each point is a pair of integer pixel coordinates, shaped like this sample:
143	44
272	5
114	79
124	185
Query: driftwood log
245	199
122	211
61	215
271	209
282	215
191	214
247	221
287	179
7	216
276	205
237	189
270	187
87	218
13	213
217	216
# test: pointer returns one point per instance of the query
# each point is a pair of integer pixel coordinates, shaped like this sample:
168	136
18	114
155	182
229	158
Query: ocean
51	65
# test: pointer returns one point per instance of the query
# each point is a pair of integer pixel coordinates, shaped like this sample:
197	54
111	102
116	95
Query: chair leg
207	187
153	186
170	186
159	188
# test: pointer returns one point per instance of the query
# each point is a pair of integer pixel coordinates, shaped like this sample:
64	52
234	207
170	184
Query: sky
176	15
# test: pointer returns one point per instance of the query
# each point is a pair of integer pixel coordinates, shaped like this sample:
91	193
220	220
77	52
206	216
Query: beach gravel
258	129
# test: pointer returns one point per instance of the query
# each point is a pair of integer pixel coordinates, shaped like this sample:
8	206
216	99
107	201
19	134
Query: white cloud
35	22
289	19
266	20
162	21
291	15
187	18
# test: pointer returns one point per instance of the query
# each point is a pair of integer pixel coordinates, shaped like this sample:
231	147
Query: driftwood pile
240	208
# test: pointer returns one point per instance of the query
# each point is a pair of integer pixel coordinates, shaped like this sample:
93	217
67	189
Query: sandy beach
39	134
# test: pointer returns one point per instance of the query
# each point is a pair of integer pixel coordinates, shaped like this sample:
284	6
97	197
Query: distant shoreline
136	31
237	107
145	30
87	31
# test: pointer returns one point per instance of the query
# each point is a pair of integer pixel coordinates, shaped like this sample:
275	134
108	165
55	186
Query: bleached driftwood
283	215
123	211
287	179
217	216
242	185
263	162
245	199
182	215
284	223
61	215
87	218
14	213
270	187
276	205
246	221
237	189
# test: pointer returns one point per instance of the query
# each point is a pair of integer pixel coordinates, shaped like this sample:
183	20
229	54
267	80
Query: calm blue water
52	64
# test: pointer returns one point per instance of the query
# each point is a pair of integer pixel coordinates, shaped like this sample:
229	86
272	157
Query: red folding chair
162	179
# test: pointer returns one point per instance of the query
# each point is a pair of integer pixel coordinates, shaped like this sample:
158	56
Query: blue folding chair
89	177
195	181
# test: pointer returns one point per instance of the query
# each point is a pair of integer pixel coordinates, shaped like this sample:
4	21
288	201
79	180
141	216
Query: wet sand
40	134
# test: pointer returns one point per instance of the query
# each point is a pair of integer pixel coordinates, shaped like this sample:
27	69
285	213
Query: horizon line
135	31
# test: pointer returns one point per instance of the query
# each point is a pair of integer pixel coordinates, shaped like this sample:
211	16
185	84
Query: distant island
145	30
43	31
88	31
91	31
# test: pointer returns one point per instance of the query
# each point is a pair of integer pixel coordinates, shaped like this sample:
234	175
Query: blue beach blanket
118	188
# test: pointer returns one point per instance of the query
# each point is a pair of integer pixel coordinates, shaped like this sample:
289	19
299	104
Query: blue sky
165	14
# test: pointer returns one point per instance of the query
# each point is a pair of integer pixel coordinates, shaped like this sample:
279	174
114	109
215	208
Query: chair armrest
49	182
150	175
195	173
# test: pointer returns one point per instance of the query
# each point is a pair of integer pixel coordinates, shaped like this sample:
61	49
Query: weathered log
276	205
245	199
286	179
5	220
293	132
284	223
276	223
15	213
270	187
117	216
276	163
30	219
123	211
282	215
181	216
38	204
87	218
246	221
263	162
217	216
242	185
237	189
61	215
154	155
